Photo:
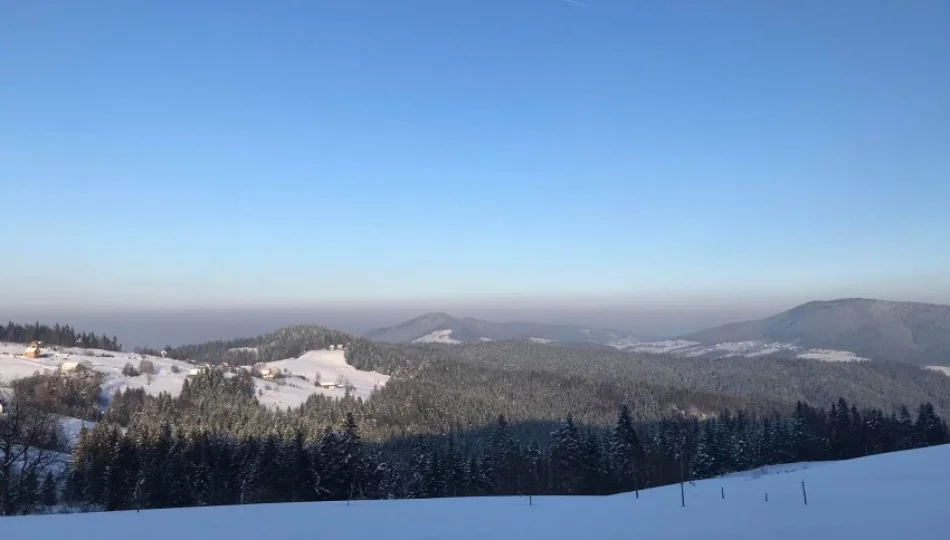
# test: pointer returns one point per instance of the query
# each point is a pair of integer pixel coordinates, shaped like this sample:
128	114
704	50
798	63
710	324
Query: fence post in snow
723	490
530	503
804	494
766	496
682	489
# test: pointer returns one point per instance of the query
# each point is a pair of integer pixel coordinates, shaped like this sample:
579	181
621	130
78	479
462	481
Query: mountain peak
910	332
443	328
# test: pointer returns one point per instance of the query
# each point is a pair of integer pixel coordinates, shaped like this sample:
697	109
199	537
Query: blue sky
181	154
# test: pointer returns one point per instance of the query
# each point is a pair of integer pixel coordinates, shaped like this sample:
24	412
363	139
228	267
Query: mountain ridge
444	328
908	332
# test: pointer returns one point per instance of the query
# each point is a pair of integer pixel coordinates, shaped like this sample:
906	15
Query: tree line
58	335
157	465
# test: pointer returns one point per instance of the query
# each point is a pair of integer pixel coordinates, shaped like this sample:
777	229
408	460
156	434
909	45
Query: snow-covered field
439	336
828	355
886	497
330	365
736	348
291	391
13	365
942	369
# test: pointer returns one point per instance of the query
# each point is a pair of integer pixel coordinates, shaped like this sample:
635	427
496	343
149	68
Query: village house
35	350
194	372
70	367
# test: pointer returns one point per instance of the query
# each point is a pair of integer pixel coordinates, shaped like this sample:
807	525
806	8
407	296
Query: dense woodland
157	465
493	418
58	335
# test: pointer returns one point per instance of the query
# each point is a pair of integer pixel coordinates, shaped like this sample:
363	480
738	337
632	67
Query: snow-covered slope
752	348
13	365
437	336
942	369
886	497
289	391
301	378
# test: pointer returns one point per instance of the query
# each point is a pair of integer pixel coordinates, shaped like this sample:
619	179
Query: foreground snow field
893	496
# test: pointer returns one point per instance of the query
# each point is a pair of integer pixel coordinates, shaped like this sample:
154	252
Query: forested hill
61	335
525	380
757	380
293	341
909	332
481	419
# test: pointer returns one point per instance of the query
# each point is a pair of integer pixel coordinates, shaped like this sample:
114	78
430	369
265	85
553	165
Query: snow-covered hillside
885	497
292	390
437	336
694	349
301	378
13	365
942	369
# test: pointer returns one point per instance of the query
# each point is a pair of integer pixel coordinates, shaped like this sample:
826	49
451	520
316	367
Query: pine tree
626	453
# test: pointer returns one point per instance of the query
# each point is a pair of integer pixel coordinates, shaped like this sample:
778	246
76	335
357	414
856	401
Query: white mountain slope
300	383
751	348
13	365
885	497
291	391
438	336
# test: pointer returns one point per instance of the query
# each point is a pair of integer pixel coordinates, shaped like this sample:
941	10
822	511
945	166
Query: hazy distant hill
444	328
909	332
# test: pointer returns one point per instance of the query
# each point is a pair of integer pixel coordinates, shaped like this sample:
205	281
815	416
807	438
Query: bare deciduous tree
28	440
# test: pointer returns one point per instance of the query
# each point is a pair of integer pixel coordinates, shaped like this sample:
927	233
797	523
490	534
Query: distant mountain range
850	329
444	328
908	332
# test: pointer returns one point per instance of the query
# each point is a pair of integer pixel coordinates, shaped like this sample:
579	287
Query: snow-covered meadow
292	390
679	347
884	497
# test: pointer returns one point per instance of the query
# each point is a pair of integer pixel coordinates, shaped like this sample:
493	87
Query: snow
13	365
899	495
439	336
829	355
656	347
292	391
749	349
288	392
541	340
942	369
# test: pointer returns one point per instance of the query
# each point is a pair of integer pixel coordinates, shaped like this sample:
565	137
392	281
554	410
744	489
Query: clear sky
181	154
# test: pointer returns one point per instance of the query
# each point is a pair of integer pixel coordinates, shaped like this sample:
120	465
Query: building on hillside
328	385
35	350
268	373
340	347
71	366
194	372
332	347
